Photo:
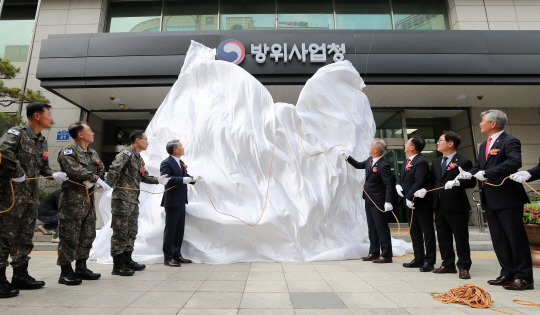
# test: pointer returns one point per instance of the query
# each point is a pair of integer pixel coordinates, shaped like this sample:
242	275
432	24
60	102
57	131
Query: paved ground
335	287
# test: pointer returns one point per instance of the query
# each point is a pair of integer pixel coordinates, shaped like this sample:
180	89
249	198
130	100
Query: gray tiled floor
334	287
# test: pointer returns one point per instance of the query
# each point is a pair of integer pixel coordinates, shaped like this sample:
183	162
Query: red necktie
487	146
407	163
371	164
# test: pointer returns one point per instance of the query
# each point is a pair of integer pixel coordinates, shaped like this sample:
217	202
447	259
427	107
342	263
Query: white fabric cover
226	121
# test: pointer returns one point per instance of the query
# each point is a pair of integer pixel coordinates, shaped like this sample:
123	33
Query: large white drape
227	122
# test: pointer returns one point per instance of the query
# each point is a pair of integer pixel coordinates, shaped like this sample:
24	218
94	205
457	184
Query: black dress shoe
370	257
182	260
171	263
501	280
464	274
383	260
412	264
426	267
519	284
444	269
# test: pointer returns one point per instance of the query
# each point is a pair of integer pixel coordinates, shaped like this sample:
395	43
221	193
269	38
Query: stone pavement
333	287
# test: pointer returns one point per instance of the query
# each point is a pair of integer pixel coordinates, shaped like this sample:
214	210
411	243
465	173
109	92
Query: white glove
163	179
343	152
463	174
480	176
89	184
60	176
522	176
19	179
388	206
451	183
103	185
409	203
187	180
421	193
197	178
399	190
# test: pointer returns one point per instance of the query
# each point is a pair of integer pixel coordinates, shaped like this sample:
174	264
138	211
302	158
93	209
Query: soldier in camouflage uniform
76	212
24	155
127	170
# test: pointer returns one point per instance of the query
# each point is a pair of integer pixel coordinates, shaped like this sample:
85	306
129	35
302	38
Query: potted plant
531	220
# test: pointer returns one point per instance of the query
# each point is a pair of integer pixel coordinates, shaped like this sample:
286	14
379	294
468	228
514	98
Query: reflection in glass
190	15
420	15
248	15
362	15
305	14
16	24
134	16
388	124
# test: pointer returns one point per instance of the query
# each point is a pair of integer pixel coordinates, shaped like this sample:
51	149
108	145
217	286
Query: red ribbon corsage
408	167
45	155
185	165
98	161
374	170
493	151
143	170
451	166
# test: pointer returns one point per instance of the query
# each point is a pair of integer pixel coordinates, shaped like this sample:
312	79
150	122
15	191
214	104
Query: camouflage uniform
23	153
77	222
127	170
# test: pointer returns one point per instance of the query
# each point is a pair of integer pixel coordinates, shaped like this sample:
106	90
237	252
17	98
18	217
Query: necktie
487	146
443	166
371	163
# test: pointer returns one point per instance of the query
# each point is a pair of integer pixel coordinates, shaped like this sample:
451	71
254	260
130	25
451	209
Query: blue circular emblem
231	50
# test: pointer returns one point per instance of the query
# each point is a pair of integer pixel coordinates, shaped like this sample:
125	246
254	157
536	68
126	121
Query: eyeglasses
440	140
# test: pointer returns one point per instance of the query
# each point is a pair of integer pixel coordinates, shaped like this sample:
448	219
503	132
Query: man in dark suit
413	177
499	157
378	187
451	205
527	176
174	201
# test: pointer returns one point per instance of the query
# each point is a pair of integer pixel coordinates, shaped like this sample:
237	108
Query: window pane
248	15
16	24
305	14
134	16
388	124
368	14
420	15
190	15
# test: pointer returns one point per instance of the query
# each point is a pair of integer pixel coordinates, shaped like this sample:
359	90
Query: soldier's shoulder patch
14	132
128	153
68	151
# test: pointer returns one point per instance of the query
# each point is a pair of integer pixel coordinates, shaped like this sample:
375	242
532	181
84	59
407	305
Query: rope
468	294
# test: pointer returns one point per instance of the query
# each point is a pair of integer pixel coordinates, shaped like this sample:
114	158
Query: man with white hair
379	188
499	157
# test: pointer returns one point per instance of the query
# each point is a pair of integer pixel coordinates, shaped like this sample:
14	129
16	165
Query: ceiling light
461	97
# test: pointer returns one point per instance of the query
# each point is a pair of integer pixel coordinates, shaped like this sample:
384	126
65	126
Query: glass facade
191	15
16	25
367	14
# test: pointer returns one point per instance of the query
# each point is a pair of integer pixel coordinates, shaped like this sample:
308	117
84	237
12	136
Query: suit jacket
414	179
504	159
378	185
535	172
178	195
455	199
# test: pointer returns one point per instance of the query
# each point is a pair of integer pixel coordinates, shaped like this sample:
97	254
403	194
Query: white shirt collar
376	159
412	157
177	159
494	137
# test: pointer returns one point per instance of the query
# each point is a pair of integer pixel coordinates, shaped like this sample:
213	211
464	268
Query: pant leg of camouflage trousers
124	225
16	233
77	229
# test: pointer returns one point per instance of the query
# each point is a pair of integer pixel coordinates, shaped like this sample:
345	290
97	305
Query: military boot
120	268
6	290
23	281
131	263
68	277
83	272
